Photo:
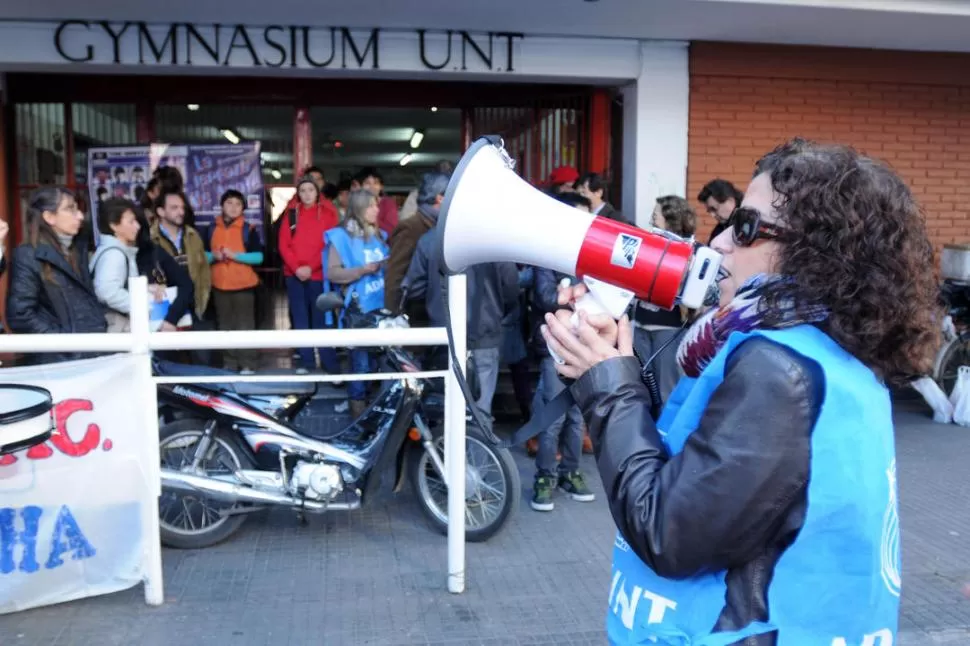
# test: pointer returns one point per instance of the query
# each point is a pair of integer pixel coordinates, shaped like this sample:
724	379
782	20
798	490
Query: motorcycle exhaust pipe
235	492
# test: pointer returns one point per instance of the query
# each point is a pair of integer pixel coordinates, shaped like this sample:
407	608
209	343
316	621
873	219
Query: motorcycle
955	350
230	449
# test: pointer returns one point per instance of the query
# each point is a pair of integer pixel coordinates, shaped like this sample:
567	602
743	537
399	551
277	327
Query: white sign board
70	509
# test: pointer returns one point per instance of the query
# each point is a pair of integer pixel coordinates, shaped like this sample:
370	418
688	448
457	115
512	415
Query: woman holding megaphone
761	507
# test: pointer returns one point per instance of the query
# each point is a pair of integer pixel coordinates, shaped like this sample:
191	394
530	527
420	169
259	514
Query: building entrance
403	129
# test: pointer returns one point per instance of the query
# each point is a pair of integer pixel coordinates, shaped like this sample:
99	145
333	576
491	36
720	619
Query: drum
26	416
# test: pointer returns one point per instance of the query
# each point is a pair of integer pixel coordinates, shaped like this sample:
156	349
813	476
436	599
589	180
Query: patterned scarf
744	313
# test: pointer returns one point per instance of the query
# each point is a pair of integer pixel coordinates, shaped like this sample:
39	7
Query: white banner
71	509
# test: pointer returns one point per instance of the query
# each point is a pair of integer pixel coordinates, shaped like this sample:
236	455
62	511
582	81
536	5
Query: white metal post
455	438
141	339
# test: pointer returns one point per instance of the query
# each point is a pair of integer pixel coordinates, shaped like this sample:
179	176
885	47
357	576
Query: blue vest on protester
838	584
357	252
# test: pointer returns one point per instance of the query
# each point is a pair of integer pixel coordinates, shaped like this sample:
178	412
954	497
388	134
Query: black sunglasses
747	227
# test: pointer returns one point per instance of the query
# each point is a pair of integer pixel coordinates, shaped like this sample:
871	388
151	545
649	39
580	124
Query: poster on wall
213	170
71	508
208	171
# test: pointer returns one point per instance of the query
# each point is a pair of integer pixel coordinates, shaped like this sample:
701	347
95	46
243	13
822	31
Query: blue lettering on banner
9	537
66	537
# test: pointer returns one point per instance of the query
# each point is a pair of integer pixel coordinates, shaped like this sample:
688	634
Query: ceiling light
406	159
192	107
276	174
230	135
417	138
434	108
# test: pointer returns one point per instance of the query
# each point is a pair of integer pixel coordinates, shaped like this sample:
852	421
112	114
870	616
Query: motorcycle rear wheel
952	355
172	535
493	487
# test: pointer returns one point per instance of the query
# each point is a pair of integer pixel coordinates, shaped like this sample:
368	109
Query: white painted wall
655	114
937	25
32	46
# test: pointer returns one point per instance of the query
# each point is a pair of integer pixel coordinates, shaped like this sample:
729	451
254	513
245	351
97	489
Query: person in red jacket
301	248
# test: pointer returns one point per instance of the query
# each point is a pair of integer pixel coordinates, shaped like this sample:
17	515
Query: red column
598	152
302	141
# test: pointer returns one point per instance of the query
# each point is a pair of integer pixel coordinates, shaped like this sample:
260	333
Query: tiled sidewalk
378	576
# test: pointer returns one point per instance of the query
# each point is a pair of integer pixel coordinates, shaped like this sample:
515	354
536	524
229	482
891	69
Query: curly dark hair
678	214
857	245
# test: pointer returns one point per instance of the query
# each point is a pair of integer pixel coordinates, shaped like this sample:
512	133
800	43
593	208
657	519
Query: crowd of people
349	238
772	463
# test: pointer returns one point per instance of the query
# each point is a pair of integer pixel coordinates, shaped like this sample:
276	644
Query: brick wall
909	109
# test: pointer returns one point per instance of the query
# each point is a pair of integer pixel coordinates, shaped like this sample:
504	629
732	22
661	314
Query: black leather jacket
735	498
47	295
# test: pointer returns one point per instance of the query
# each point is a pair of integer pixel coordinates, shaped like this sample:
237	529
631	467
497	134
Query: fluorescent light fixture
434	108
417	138
406	159
230	135
276	174
193	107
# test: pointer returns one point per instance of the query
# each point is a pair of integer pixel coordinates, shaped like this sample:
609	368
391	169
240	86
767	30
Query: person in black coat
51	291
161	269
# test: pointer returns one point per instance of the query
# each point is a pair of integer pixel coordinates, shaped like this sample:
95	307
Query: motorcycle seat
171	369
276	388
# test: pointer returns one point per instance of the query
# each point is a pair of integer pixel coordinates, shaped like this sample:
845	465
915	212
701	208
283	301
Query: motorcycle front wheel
195	521
493	487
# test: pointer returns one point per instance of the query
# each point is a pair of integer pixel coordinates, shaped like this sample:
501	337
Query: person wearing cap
301	248
562	180
404	239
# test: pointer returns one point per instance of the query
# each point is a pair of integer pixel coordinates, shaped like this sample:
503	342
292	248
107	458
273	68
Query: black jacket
493	292
735	498
49	296
160	268
545	295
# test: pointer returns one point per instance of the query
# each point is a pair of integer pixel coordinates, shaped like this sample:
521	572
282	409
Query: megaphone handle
586	303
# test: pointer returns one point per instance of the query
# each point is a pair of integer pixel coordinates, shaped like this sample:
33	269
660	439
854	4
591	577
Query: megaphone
490	214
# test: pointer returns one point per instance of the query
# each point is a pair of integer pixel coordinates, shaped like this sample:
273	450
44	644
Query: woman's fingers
570	294
566	336
624	337
604	324
557	348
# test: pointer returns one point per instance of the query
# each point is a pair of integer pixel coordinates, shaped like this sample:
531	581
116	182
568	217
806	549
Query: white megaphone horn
490	214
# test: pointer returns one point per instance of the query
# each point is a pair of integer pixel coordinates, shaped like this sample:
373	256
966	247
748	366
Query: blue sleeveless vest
838	584
356	252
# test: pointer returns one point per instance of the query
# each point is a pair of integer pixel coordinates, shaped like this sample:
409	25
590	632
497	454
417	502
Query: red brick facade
910	109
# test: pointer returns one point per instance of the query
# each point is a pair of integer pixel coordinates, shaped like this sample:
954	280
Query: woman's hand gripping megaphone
578	338
601	303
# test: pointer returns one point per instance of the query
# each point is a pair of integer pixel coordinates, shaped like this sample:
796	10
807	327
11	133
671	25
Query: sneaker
542	493
575	485
246	371
302	371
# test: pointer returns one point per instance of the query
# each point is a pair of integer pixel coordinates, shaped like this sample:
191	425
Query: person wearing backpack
301	248
233	248
115	260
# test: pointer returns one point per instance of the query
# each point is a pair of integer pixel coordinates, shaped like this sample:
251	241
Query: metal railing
141	341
